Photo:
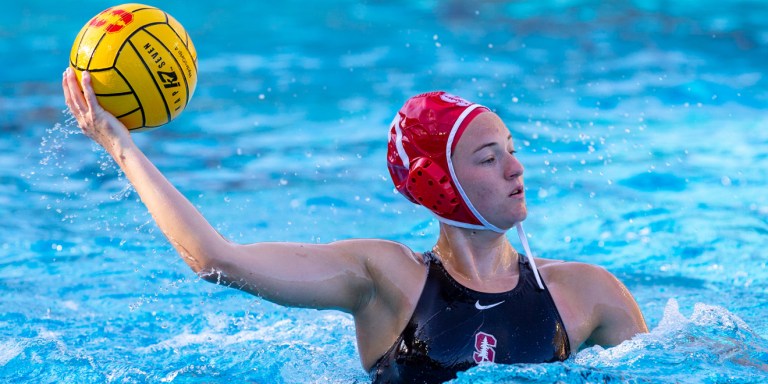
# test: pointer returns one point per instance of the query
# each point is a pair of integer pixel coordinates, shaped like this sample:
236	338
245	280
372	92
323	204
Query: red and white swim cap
422	137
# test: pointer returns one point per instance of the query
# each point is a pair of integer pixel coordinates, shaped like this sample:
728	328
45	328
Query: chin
519	219
520	214
513	218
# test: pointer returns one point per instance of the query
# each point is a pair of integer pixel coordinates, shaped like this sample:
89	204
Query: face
489	172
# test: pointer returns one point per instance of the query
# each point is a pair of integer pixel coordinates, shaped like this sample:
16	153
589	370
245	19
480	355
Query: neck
476	255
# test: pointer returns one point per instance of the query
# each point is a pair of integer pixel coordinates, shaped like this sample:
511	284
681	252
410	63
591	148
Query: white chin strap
528	254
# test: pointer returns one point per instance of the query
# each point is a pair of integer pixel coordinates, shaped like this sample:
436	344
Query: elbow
211	275
215	271
205	264
207	271
212	267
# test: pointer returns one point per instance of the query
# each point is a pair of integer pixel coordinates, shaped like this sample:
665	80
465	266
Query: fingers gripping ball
142	62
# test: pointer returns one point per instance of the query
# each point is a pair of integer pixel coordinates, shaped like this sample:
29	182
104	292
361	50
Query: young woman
420	317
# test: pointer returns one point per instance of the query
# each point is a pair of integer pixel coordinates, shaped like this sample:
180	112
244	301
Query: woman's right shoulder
389	264
380	251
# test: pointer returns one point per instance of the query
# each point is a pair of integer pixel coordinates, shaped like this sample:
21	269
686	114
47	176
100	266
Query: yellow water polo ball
142	62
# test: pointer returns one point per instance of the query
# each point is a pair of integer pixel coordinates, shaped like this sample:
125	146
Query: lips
518	192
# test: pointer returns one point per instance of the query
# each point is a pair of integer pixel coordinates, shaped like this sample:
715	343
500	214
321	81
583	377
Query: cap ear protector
431	186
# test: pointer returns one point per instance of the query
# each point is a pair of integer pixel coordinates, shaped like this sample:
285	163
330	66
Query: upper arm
618	317
321	276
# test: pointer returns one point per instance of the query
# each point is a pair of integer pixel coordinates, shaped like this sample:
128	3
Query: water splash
123	193
711	346
51	145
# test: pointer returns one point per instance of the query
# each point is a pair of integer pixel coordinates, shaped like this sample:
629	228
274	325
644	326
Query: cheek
477	191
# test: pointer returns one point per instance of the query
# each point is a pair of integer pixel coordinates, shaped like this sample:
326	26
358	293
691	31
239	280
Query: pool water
641	125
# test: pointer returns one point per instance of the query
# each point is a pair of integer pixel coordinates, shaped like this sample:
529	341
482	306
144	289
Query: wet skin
377	281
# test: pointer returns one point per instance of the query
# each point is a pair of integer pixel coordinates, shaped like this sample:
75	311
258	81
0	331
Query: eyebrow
491	144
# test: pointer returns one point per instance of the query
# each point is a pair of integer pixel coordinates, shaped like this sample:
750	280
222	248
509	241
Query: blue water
641	124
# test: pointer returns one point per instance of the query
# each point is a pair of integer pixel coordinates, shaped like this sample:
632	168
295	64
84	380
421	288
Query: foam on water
711	346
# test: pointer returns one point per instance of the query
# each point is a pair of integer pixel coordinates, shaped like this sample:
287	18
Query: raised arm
308	275
195	240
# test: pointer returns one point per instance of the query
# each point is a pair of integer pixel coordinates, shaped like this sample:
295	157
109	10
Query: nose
514	168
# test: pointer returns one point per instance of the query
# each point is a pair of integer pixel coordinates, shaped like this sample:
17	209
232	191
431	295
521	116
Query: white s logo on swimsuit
482	307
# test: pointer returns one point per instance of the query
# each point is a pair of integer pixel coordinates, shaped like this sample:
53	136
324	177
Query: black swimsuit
453	328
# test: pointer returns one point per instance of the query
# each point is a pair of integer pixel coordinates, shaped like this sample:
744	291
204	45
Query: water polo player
419	317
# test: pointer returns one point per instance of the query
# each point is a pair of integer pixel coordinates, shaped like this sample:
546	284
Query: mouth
518	192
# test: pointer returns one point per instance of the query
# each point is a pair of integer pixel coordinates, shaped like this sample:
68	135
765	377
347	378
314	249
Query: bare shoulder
385	260
587	284
397	273
378	250
576	274
599	308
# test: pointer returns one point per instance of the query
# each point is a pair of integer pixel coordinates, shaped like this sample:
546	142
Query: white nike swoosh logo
482	307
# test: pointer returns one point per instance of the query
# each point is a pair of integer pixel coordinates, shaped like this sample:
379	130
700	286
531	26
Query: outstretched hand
96	123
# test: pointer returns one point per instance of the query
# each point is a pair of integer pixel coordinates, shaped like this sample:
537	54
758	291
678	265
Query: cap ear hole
428	185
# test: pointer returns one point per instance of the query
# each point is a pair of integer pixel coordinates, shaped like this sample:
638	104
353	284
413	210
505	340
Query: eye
512	152
489	160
